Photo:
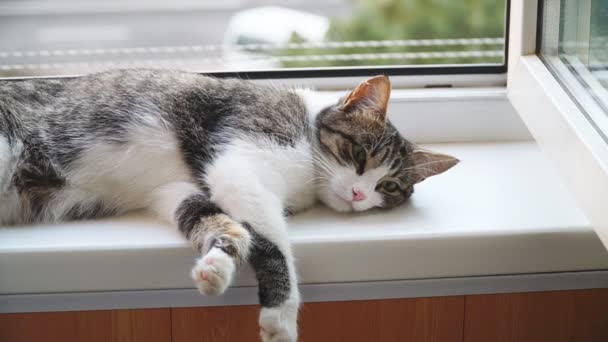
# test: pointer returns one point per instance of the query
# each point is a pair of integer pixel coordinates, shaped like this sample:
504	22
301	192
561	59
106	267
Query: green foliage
410	19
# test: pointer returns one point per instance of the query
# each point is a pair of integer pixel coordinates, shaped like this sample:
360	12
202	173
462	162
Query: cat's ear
428	163
370	97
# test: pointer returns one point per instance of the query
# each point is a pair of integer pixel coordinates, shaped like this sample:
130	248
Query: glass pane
50	37
598	42
574	45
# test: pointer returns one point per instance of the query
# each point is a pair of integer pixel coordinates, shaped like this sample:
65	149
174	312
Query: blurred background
66	37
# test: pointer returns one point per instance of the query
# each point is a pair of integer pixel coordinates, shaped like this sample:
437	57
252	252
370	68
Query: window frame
556	120
364	71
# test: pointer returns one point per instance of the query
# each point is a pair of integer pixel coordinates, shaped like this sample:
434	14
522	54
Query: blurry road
44	25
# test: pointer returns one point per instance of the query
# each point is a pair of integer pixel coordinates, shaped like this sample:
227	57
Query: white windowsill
503	210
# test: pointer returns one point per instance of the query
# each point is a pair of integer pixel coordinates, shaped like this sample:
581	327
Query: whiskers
321	162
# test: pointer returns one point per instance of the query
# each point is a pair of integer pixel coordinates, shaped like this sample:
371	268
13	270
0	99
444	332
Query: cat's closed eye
359	154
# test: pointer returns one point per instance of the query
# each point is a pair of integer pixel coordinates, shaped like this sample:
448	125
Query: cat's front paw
213	273
279	324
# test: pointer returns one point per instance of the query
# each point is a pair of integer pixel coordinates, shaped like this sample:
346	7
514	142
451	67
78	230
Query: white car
267	25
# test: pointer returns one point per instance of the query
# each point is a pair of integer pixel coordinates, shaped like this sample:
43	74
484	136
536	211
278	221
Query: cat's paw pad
279	324
213	273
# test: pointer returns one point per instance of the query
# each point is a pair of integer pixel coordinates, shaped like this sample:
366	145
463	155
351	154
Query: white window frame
564	132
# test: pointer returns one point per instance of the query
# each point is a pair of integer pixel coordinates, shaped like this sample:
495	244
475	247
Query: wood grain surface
559	316
422	319
146	325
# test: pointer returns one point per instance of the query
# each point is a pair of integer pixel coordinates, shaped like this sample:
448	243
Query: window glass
574	45
50	37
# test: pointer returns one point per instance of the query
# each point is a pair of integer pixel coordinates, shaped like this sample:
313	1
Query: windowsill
502	210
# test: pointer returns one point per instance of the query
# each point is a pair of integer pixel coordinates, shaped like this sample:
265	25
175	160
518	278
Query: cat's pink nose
358	195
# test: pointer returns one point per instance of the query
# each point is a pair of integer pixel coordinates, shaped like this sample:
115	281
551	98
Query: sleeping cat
223	160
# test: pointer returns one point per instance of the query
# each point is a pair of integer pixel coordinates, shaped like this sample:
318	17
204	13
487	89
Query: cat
223	160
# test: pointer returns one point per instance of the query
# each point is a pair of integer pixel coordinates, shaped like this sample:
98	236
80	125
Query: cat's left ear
428	163
370	97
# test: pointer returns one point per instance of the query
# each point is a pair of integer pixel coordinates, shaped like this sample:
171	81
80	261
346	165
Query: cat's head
362	160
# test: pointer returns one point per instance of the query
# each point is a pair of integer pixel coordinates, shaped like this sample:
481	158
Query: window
574	46
44	37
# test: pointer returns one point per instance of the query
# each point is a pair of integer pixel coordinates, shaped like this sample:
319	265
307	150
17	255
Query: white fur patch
9	199
336	189
213	273
254	181
125	174
280	324
5	157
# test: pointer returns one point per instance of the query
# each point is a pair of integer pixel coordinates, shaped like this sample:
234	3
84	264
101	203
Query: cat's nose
358	195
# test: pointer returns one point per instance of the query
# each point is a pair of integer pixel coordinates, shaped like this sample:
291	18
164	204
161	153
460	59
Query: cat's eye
390	186
359	154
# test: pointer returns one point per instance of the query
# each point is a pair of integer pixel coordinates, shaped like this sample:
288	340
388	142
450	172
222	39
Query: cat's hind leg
278	288
222	242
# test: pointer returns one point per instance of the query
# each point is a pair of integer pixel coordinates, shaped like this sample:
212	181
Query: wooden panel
421	319
150	325
580	316
424	319
211	324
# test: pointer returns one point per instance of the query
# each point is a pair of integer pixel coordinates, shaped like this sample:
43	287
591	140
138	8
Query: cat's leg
222	242
271	257
278	287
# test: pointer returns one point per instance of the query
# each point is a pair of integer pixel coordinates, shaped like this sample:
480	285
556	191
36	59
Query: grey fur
270	270
56	120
